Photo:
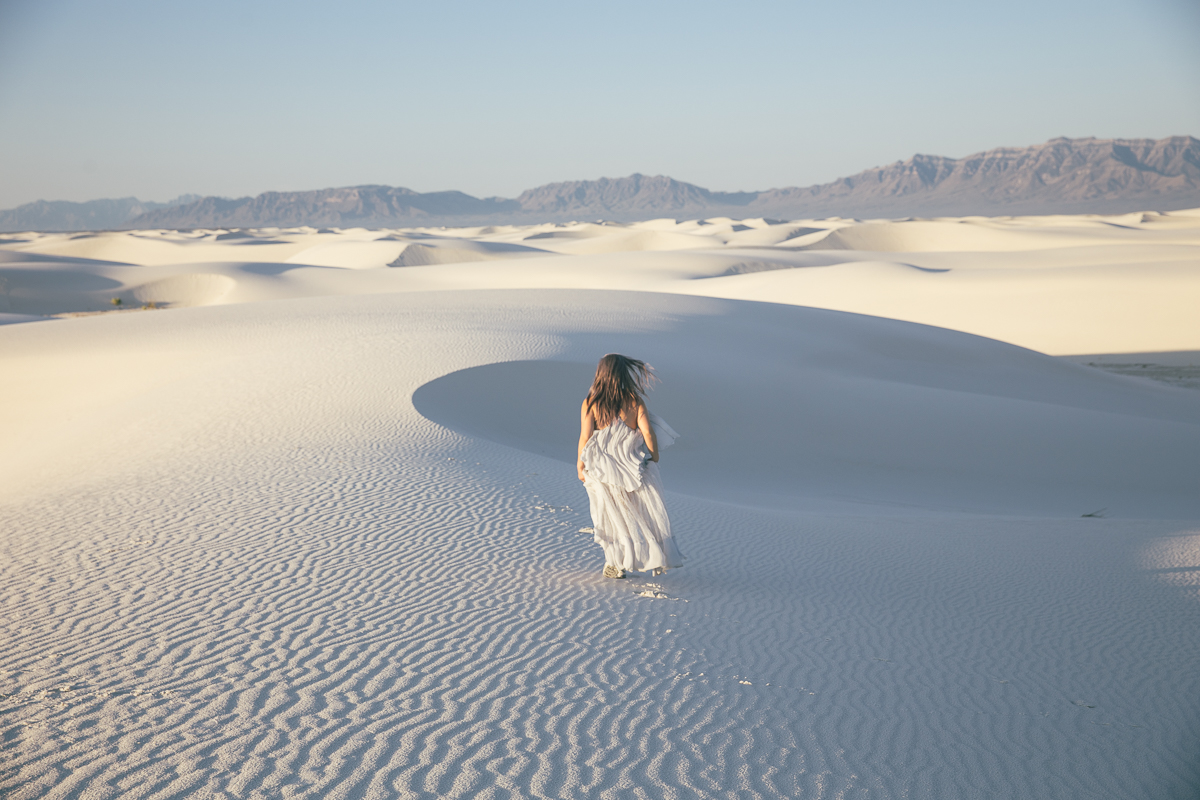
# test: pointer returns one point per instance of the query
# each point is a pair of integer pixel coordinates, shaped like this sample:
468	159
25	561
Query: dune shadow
19	280
775	404
531	405
22	257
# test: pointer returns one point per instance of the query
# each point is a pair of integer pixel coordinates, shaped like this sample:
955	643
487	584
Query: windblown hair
619	381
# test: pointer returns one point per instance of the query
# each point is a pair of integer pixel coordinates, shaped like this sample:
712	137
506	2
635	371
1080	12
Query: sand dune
351	254
454	251
1060	285
917	394
318	535
988	235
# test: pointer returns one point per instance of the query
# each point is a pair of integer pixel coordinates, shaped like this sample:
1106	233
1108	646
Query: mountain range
64	215
1062	176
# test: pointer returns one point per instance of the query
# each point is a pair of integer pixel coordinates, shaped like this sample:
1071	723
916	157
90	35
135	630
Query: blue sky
156	99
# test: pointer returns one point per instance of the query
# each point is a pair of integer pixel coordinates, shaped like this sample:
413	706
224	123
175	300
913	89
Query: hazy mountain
635	194
365	206
1060	176
63	215
1066	176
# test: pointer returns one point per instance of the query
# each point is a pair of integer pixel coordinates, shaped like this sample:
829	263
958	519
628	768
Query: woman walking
619	443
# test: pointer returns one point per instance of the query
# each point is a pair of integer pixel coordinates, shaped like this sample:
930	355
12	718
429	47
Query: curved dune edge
866	410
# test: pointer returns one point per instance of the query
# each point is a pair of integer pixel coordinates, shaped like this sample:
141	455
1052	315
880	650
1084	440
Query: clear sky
155	98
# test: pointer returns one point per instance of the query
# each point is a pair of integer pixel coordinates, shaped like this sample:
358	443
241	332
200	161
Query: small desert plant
151	304
116	301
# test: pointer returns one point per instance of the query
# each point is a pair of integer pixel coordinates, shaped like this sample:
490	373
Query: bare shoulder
641	414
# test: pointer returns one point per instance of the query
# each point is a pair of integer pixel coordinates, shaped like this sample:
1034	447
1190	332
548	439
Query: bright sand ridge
240	562
1060	285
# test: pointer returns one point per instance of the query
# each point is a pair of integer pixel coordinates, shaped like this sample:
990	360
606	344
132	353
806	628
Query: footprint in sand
655	592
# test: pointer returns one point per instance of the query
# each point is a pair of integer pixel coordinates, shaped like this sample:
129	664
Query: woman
619	442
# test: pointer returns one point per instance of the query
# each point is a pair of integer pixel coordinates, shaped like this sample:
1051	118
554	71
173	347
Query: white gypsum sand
1060	285
320	537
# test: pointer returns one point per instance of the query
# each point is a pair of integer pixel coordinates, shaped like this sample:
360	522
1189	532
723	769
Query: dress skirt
624	488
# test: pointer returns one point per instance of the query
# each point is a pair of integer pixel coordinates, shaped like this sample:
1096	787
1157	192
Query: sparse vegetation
149	305
116	301
1186	376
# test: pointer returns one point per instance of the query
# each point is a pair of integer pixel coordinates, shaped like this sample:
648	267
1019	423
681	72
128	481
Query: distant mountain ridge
1060	176
64	215
367	206
1063	176
636	193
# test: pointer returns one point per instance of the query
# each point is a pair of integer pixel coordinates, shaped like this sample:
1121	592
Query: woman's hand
586	426
648	434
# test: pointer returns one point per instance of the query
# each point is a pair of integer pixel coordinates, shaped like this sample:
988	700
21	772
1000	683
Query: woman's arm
643	422
586	426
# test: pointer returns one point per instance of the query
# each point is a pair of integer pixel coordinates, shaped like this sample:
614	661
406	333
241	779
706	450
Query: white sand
1059	285
328	546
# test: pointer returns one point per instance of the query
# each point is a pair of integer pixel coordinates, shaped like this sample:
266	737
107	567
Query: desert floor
297	517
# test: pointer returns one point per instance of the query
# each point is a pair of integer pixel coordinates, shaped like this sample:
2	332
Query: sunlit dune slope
1060	285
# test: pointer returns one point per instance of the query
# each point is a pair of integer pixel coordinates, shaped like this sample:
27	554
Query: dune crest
1061	285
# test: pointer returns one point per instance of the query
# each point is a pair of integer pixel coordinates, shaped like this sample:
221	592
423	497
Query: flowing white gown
624	489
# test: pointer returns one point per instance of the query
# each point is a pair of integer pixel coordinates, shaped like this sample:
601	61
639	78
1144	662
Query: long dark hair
620	380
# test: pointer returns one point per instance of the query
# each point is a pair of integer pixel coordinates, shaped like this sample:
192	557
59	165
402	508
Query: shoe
611	571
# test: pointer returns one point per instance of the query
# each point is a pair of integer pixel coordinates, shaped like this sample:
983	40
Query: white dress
624	490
